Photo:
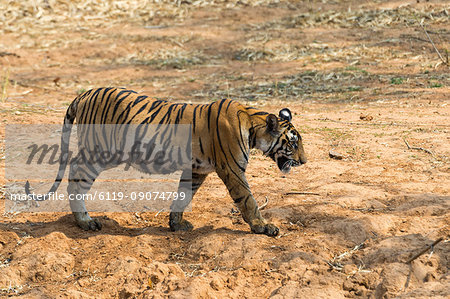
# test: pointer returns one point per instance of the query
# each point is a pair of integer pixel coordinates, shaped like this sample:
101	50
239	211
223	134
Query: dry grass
372	18
43	14
86	22
4	82
319	52
292	87
35	15
165	58
343	84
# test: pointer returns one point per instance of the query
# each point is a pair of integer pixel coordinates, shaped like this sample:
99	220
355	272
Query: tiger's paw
183	225
267	229
85	222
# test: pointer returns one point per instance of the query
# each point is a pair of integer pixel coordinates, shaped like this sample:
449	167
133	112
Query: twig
159	212
264	204
9	54
418	148
283	235
432	43
425	250
335	262
301	193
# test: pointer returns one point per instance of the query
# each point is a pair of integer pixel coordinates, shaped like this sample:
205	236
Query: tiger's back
219	121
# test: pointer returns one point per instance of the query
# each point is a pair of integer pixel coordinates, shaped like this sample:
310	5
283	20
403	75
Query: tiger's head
282	142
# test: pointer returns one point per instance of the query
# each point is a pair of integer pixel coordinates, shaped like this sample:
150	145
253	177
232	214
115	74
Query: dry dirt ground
360	77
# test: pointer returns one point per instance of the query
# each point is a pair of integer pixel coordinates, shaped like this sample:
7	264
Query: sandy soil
360	77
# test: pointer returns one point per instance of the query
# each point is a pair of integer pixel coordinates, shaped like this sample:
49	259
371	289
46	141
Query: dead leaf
366	117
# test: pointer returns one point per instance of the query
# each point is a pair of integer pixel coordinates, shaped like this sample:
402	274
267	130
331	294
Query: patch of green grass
397	80
356	69
434	84
354	88
309	73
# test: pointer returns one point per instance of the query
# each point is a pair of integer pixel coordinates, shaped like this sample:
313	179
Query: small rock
335	155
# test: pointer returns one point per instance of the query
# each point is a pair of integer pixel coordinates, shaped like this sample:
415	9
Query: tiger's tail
65	139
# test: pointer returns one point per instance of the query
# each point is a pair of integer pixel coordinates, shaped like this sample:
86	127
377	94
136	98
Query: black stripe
252	138
180	113
137	113
259	113
91	101
189	143
223	151
194	118
98	103
153	116
118	102
180	157
164	133
151	146
108	102
209	116
201	146
228	106
138	100
177	118
234	160
124	114
166	118
243	150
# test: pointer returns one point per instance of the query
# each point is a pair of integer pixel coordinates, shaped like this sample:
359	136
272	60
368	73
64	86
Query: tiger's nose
303	160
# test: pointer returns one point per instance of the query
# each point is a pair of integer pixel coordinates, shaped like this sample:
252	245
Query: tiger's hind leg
176	220
81	178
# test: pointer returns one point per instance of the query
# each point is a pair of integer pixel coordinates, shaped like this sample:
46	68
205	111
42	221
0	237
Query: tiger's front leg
242	196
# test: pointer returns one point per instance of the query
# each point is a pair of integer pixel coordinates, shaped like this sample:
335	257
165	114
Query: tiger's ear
285	114
272	123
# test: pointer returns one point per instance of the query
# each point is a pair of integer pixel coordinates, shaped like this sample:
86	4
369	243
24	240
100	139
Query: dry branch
425	250
301	193
418	148
444	61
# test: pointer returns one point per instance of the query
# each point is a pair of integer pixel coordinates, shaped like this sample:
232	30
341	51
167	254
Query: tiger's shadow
66	225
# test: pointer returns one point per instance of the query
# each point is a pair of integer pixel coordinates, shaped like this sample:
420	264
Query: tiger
222	135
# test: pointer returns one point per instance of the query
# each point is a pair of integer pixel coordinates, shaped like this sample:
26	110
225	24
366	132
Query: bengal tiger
223	133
